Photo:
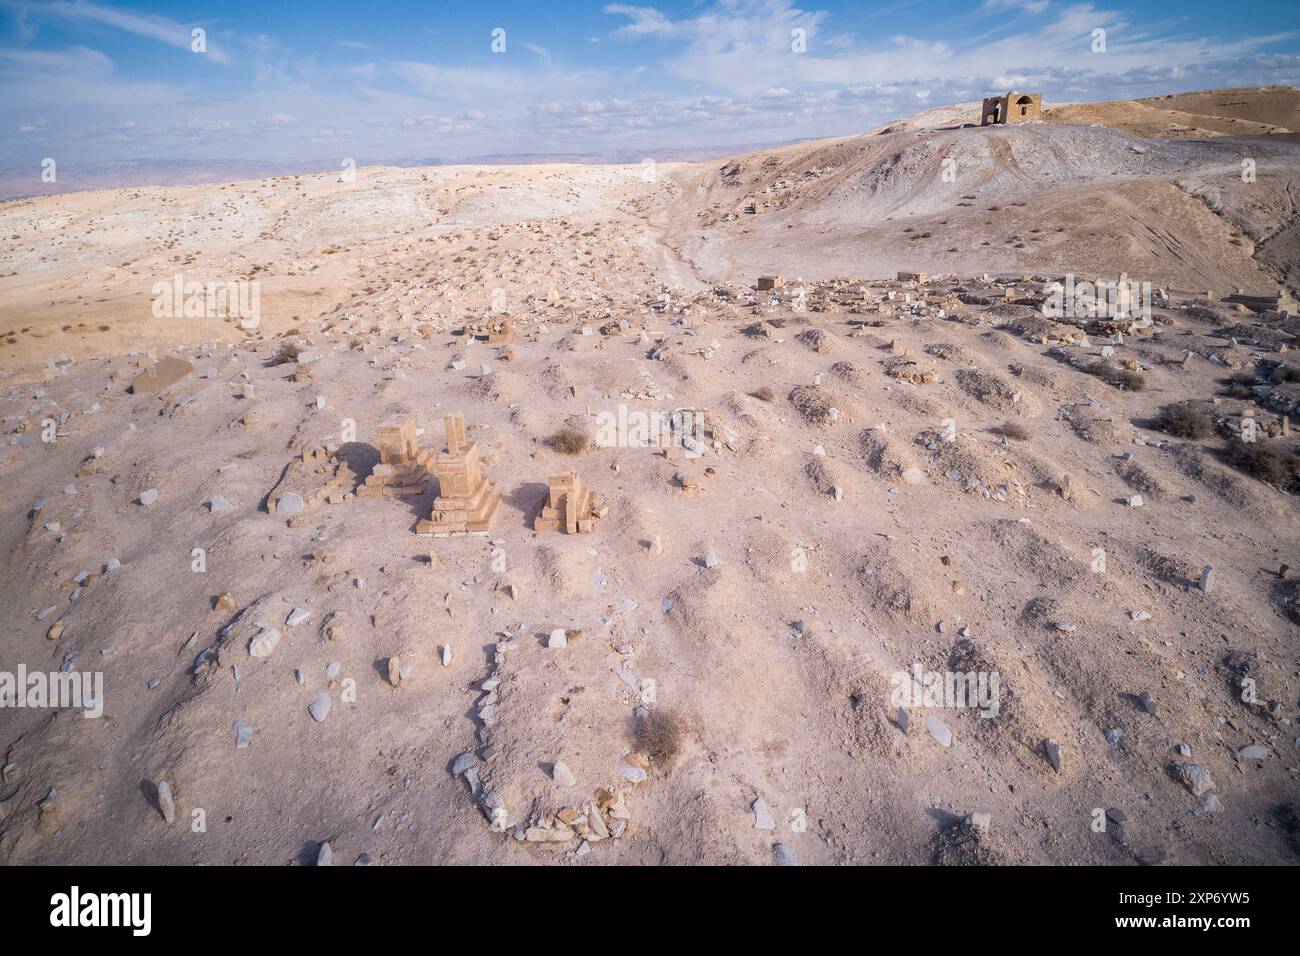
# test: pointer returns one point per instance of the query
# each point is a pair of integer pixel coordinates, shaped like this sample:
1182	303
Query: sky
88	82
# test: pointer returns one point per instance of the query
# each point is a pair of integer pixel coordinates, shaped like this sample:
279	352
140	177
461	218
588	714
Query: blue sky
281	82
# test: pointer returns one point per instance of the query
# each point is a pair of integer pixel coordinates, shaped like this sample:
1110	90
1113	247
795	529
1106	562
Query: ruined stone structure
467	502
319	475
1012	108
501	330
569	506
403	467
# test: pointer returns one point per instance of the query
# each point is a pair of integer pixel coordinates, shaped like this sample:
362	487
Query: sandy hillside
929	195
892	474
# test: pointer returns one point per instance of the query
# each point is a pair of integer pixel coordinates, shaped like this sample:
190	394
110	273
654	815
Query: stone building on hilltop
1012	108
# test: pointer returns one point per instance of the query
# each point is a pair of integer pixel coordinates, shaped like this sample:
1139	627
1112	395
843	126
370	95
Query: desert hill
893	473
1038	197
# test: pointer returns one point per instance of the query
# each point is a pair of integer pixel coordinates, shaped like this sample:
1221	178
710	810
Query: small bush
1012	430
286	353
1117	377
763	394
1270	465
1239	384
658	735
1185	420
569	441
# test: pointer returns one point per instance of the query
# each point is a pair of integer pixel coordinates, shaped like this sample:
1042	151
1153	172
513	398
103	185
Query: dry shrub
1117	377
1186	420
1240	384
1270	465
286	353
657	734
569	441
1011	430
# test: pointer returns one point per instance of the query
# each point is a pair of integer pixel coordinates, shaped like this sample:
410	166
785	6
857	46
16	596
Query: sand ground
848	546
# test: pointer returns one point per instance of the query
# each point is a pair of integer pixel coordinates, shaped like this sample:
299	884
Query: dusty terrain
734	622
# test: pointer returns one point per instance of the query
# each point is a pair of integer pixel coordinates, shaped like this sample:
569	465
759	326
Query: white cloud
147	25
76	60
742	46
721	74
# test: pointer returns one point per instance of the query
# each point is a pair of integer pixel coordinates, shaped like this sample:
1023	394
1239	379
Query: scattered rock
320	707
783	855
1054	754
463	764
264	642
1194	777
1207	579
938	730
1210	803
166	804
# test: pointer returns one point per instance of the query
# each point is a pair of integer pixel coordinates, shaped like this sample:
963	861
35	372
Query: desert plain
897	462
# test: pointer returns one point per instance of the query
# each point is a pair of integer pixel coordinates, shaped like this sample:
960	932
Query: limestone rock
166	803
938	730
1054	754
1195	778
264	642
320	707
763	819
783	855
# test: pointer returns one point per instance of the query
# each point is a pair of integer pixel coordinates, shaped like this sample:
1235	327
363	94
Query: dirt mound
996	392
890	457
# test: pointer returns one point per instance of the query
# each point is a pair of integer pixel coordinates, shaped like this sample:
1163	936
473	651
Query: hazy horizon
87	82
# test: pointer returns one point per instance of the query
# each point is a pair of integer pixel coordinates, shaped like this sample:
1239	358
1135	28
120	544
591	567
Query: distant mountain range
25	183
